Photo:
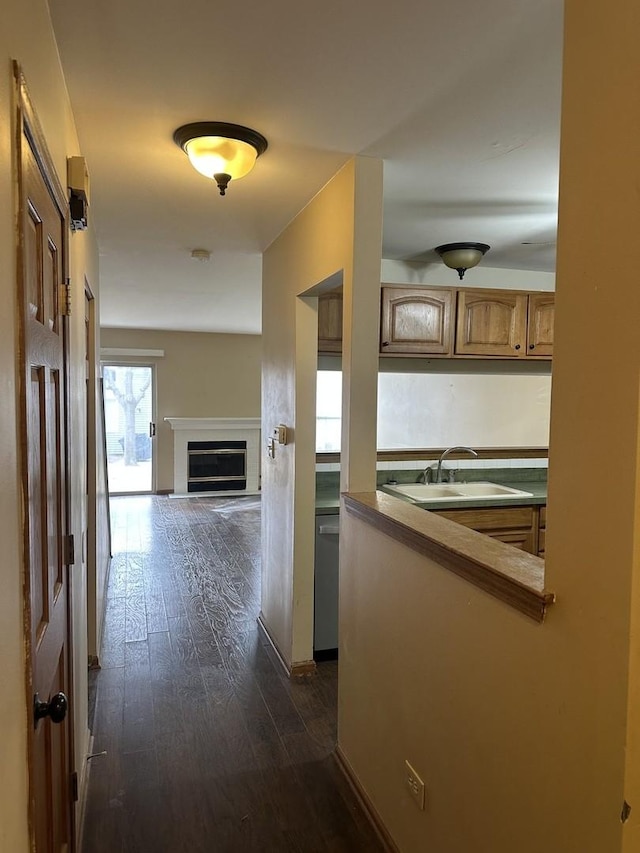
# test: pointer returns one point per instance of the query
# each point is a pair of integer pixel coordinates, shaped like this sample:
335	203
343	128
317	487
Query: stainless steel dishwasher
325	628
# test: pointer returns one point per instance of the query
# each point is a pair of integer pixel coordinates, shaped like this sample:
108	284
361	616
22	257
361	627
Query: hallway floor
209	747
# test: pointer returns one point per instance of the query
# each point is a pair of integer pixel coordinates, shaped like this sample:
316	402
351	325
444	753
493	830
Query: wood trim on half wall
410	454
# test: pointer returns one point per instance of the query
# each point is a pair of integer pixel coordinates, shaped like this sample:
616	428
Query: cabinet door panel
491	322
512	525
521	539
542	539
542	531
490	519
540	327
416	320
330	322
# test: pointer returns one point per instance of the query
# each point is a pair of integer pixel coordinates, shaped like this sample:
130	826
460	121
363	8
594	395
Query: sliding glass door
130	427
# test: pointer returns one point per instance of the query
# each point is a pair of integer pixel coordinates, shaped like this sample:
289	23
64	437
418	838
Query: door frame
94	621
28	125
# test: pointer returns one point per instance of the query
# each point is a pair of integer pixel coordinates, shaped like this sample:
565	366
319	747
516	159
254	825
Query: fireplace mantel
214	429
213	423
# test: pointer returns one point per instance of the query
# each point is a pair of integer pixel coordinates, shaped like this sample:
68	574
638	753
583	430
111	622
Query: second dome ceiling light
462	256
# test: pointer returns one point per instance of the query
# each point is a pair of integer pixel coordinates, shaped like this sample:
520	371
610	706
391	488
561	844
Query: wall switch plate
415	785
280	434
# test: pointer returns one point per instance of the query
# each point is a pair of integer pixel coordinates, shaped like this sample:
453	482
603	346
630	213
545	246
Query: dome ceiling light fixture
220	151
462	256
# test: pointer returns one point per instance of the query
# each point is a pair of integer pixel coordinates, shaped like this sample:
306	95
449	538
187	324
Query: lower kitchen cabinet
542	530
513	525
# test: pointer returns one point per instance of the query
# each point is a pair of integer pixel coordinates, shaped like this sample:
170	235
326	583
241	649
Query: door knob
56	708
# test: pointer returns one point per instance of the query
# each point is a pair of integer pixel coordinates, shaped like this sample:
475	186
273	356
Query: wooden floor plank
209	746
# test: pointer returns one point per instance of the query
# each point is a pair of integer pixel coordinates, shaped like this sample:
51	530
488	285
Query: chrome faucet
444	454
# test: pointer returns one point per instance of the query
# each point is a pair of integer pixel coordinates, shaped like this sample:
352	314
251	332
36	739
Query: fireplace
216	465
215	456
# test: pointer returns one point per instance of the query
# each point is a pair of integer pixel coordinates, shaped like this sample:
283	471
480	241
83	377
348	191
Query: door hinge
626	812
69	549
74	787
65	298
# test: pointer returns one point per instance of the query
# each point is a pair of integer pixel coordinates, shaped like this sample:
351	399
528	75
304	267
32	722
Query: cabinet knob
385	343
532	346
517	346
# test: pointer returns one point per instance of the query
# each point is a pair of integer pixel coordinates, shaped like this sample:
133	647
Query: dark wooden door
43	434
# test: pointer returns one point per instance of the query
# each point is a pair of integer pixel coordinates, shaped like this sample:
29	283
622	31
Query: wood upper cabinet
330	322
417	320
540	324
505	323
423	321
491	322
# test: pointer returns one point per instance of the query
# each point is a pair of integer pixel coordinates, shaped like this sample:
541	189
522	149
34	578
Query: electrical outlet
415	785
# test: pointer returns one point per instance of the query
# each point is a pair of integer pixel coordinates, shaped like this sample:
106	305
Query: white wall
441	410
433	409
512	725
436	274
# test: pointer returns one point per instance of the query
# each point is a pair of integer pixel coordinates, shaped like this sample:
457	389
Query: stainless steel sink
419	492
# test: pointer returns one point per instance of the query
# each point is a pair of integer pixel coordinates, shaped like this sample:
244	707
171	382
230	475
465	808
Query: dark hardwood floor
209	747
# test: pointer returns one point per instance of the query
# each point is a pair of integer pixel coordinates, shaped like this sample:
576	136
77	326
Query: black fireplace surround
216	466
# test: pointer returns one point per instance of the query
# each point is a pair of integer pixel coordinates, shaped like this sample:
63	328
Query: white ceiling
460	99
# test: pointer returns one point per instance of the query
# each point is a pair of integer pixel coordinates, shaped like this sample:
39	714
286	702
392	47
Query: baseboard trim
303	669
263	627
367	806
164	491
83	789
298	669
